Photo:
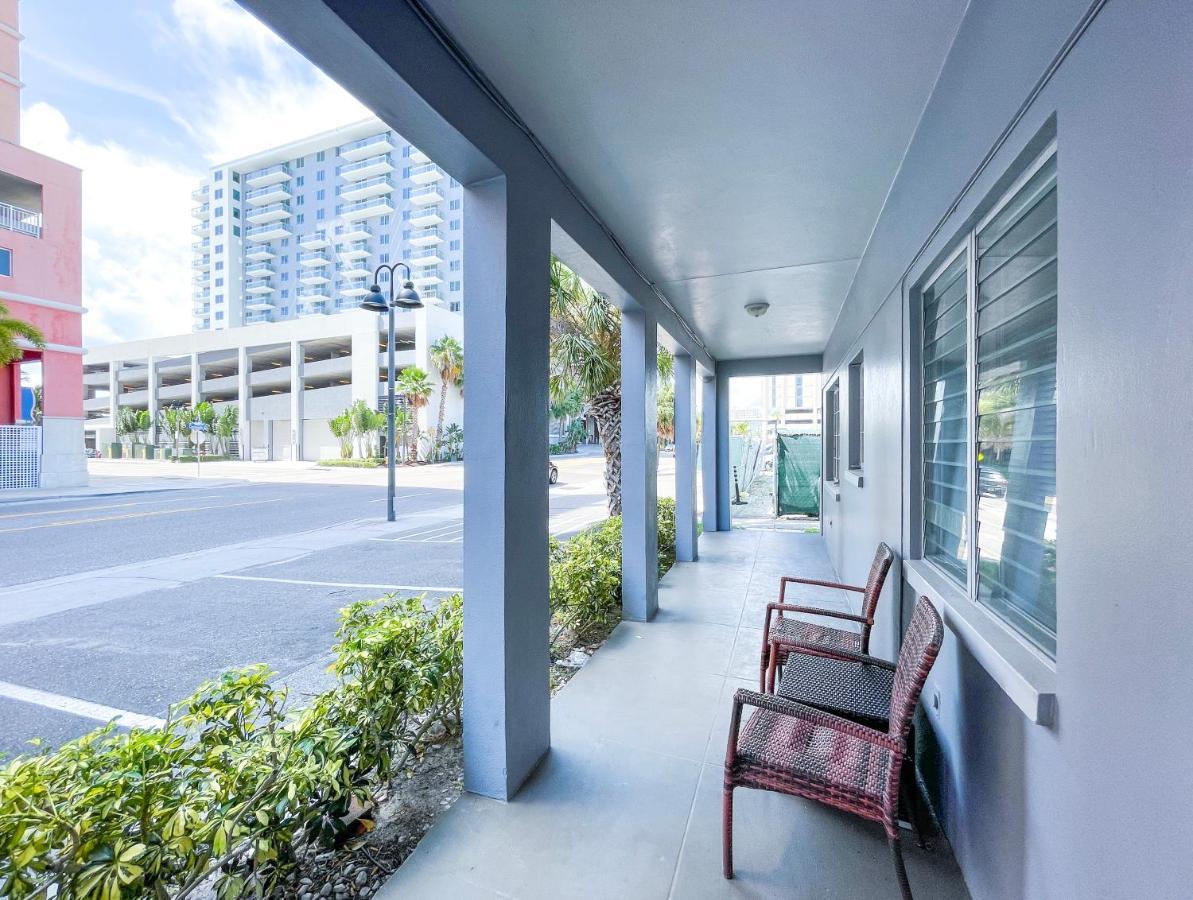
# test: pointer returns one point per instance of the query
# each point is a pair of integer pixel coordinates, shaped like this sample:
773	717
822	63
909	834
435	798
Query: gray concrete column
296	400
151	392
114	391
724	510
639	466
685	458
708	450
196	381
507	615
244	398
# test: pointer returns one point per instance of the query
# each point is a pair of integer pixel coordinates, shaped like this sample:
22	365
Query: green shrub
586	572
370	463
232	784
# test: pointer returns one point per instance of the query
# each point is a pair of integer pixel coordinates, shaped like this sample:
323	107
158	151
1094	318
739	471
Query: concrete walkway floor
628	802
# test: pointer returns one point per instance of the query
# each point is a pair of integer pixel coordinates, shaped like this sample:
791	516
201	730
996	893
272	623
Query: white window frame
968	248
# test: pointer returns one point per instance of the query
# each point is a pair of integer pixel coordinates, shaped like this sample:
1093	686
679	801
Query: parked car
92	453
552	472
991	483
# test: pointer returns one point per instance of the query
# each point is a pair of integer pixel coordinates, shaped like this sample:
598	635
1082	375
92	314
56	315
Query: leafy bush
586	572
234	784
371	463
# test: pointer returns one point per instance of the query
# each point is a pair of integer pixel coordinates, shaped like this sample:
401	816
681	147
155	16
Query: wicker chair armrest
793	646
785	707
817	611
791	579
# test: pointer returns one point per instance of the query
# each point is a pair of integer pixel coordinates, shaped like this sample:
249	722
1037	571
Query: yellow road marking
140	515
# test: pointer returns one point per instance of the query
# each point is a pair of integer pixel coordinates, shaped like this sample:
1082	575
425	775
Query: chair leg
900	869
727	831
911	805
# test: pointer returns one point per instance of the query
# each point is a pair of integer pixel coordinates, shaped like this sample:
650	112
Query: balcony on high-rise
268	232
272	193
424	216
274	212
268	175
432	193
366	168
427	174
370	146
369	187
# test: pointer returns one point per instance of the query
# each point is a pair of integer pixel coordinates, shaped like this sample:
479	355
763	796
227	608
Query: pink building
40	283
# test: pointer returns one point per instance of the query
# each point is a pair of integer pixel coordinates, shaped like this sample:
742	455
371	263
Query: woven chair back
921	643
883	557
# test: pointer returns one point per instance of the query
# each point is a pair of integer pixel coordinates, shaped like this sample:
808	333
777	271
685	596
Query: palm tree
447	356
13	330
414	383
361	418
226	424
341	429
586	353
177	422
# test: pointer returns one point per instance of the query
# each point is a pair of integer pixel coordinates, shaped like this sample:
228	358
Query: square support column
244	396
507	701
296	401
151	392
685	458
724	510
639	466
114	391
708	450
196	381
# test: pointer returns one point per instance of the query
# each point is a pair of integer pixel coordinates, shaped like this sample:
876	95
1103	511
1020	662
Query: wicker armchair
828	639
798	750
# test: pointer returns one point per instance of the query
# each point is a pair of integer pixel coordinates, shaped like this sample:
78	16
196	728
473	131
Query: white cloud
258	92
136	232
247	91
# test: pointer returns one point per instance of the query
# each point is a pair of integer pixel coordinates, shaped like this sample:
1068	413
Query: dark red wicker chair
828	638
798	750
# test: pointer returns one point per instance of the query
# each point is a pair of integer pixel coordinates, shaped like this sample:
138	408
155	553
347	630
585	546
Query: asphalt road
124	604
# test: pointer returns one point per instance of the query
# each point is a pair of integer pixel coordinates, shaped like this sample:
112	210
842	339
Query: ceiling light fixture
757	308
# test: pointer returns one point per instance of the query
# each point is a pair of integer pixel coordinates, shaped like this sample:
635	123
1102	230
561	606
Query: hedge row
235	783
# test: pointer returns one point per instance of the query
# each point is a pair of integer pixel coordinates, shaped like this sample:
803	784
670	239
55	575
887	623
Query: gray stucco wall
1097	804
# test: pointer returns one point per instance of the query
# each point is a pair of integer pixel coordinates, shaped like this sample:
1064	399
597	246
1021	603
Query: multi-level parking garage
277	374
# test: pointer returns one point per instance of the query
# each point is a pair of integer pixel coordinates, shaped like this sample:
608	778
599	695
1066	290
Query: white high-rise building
298	230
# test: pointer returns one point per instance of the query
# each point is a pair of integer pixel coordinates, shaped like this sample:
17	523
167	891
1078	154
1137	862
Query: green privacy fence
797	474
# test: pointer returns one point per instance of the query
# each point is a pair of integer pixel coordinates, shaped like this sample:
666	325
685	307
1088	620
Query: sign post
198	436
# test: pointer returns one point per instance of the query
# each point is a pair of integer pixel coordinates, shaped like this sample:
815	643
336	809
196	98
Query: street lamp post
407	298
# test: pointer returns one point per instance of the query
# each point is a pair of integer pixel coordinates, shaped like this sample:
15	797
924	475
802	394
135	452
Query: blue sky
144	95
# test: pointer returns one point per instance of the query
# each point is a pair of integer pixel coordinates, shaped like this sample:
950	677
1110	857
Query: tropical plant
176	421
453	441
237	781
586	356
416	386
666	413
402	430
12	331
341	429
226	425
365	425
447	356
128	424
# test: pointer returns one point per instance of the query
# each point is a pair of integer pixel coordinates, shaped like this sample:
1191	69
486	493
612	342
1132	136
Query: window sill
832	489
854	477
1023	676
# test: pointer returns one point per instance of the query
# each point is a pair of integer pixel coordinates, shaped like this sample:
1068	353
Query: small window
300	200
320	195
455	225
298	219
235	213
320	156
385	219
455	286
219	175
300	162
219	229
455	306
320	214
219	282
236	177
832	443
235	231
299	181
5	261
385	238
219	194
219	211
219	315
454	245
455	204
385	257
219	248
857	411
235	195
320	175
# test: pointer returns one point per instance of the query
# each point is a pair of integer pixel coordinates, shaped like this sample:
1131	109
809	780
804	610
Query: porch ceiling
738	151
